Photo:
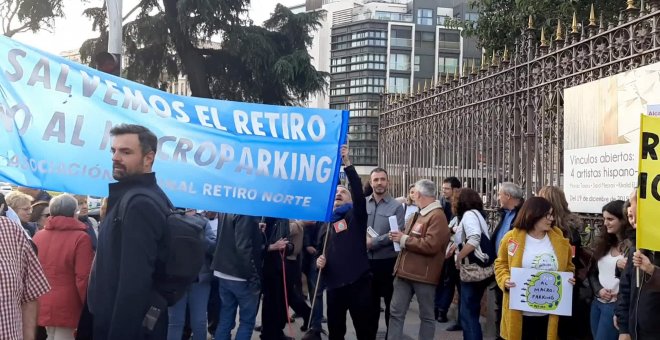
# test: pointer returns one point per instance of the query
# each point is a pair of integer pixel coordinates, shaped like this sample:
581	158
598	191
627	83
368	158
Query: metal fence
504	121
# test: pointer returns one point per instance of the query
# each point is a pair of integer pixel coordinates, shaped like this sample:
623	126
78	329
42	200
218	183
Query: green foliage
267	64
501	22
19	16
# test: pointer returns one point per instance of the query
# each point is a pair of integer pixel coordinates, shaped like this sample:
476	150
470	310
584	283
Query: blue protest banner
253	159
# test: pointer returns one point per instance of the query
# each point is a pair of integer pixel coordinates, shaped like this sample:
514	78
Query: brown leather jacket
423	246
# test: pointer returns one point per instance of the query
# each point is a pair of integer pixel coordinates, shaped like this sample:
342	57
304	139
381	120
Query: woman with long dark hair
469	209
611	251
534	242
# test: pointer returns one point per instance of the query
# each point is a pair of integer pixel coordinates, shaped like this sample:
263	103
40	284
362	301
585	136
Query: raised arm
359	203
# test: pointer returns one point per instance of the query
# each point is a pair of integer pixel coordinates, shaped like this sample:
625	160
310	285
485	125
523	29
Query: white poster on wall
595	176
601	136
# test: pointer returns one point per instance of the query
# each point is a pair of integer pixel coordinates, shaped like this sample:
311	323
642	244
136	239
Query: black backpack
185	244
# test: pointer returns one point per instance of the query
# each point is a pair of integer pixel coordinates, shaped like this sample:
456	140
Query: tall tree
268	64
501	22
17	16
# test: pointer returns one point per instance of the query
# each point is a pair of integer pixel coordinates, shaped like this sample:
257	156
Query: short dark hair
465	200
453	181
531	212
378	169
148	140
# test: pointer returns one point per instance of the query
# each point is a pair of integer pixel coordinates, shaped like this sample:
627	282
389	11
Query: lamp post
110	61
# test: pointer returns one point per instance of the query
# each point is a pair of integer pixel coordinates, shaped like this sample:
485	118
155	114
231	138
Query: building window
447	65
471	17
399	85
400	62
449	40
337	92
424	40
417	62
424	16
338	69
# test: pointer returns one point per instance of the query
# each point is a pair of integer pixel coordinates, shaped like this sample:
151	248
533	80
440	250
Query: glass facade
363	66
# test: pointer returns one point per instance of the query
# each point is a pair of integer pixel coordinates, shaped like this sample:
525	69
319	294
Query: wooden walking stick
318	277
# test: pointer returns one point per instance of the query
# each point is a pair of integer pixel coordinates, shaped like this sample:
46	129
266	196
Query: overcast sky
71	31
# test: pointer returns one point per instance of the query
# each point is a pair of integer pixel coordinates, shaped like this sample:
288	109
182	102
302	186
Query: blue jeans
196	299
237	295
602	325
470	308
444	291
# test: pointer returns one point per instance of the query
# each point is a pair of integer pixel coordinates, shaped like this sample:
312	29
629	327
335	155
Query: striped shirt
21	278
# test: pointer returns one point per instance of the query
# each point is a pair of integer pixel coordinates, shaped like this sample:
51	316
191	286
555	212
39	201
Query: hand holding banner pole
318	277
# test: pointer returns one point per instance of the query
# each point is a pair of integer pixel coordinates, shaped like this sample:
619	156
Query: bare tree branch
10	33
11	18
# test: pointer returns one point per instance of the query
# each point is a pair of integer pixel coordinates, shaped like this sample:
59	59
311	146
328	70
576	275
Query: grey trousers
403	293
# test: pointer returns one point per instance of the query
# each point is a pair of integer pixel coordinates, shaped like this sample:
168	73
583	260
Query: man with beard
123	295
382	256
344	263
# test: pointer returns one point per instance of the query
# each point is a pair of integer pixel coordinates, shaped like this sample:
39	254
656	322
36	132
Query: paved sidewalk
410	329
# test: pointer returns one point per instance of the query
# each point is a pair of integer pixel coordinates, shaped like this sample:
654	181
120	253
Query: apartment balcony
401	42
449	45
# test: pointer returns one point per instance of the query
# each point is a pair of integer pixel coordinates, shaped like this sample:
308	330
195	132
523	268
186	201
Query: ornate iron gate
504	122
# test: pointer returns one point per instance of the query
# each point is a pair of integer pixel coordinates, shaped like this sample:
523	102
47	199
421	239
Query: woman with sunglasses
535	243
40	213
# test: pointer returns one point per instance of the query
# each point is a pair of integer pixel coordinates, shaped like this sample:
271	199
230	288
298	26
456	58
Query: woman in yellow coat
534	242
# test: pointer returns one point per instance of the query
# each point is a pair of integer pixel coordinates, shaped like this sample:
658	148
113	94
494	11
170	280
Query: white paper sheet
394	226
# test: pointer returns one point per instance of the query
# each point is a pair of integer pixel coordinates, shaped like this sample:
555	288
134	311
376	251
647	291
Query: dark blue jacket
346	252
127	257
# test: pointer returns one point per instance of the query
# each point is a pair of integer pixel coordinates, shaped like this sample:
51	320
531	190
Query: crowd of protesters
66	275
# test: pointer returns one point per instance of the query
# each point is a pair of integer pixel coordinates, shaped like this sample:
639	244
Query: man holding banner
344	263
637	313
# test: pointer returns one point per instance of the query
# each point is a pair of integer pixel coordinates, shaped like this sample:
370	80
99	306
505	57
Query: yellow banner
648	201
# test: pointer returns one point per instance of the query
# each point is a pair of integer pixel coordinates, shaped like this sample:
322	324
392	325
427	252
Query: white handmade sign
541	291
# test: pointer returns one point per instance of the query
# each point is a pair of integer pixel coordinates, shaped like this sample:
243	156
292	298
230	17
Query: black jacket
90	230
310	239
346	252
276	228
638	309
239	250
121	286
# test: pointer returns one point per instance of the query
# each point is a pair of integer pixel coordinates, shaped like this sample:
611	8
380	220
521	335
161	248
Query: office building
396	46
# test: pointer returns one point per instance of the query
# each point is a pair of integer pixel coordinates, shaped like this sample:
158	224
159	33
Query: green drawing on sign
543	291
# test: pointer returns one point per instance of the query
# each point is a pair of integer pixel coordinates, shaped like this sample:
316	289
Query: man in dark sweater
122	292
344	265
